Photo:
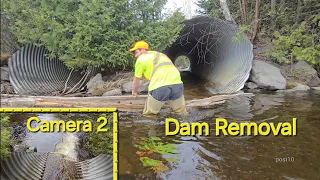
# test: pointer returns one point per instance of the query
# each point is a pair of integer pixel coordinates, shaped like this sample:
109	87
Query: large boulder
6	88
94	82
114	92
306	73
5	74
267	76
252	85
143	86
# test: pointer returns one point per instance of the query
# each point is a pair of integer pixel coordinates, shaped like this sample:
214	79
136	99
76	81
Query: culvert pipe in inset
216	51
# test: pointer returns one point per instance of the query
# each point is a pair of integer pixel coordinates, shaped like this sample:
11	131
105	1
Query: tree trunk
122	103
282	5
256	21
241	10
242	5
226	11
298	10
273	12
273	5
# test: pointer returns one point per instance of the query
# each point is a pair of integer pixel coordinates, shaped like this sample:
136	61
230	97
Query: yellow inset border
79	110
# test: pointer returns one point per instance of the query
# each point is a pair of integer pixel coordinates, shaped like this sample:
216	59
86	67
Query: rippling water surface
216	157
229	157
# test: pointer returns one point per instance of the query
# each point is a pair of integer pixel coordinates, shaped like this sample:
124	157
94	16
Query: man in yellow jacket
165	80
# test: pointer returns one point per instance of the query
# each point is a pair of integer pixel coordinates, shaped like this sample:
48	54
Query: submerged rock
21	147
5	74
285	91
298	88
31	149
252	85
316	88
301	87
254	90
267	76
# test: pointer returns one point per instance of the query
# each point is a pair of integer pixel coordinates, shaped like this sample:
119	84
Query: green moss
291	85
5	136
100	142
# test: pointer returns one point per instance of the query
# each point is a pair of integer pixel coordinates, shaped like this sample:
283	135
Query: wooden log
123	103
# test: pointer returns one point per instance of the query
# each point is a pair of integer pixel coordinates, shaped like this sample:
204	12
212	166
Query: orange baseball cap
140	45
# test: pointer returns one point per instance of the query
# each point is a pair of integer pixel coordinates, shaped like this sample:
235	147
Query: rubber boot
152	106
178	105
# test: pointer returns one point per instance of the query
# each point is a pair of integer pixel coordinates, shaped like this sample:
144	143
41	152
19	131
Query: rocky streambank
6	87
265	76
285	79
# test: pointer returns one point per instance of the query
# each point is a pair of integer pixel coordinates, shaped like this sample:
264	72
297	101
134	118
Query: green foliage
285	14
182	62
92	32
150	162
291	85
100	142
150	144
243	31
296	43
210	7
5	135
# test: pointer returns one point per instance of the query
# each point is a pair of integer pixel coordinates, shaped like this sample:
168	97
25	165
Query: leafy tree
297	43
92	32
293	26
210	7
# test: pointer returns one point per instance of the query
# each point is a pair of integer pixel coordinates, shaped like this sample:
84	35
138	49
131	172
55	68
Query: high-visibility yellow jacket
157	68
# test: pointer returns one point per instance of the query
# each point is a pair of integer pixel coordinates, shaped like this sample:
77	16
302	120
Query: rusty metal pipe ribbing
32	73
216	52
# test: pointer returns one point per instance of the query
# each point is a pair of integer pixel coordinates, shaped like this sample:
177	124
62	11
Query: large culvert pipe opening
33	73
216	53
207	47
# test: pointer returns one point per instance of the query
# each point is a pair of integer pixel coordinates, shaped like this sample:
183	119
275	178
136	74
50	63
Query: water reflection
226	157
194	162
44	141
263	102
61	142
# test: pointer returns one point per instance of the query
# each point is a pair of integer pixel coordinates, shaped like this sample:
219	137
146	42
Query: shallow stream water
231	157
216	157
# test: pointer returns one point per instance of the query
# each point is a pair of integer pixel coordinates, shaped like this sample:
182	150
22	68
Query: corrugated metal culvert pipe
208	43
32	73
43	165
216	53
